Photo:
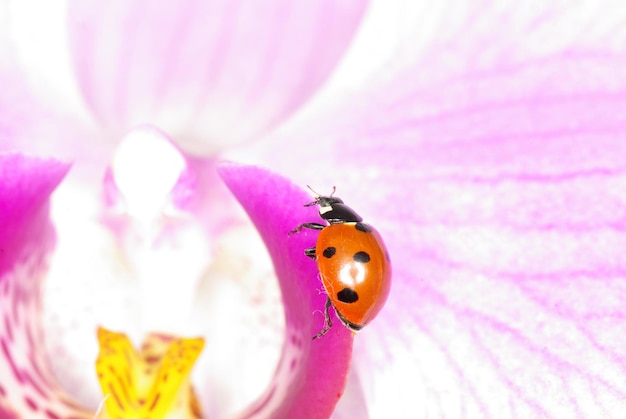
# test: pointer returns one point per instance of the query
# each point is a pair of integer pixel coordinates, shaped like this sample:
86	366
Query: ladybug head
334	211
325	201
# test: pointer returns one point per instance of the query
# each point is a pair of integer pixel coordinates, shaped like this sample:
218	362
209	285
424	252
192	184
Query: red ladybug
353	262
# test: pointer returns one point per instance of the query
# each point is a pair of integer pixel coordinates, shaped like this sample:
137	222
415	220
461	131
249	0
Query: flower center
153	382
145	169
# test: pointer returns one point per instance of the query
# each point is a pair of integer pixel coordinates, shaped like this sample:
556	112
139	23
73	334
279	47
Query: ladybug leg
310	252
327	322
311	226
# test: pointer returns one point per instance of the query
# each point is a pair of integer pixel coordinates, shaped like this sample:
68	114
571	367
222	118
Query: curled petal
311	375
197	68
27	388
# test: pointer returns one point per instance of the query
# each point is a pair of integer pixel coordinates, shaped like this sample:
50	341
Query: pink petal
27	388
27	125
311	375
197	69
500	194
19	113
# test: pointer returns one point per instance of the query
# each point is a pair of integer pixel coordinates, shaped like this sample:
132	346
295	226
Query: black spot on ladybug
361	256
347	295
329	252
363	227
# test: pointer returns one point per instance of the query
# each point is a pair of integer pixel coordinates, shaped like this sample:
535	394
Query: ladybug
353	263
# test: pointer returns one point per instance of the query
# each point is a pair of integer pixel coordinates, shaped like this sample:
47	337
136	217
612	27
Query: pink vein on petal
311	374
27	387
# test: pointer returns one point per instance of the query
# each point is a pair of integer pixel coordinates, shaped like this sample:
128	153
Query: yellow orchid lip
152	383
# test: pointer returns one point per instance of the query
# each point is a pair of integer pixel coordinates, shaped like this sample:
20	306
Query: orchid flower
175	272
489	155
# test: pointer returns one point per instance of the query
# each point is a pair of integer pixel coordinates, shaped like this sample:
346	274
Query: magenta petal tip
27	183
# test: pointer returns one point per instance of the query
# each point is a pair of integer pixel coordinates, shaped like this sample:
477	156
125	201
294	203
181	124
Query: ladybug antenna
318	196
313	190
